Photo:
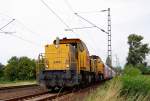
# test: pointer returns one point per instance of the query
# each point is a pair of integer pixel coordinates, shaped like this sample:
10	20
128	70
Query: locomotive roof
73	41
94	56
65	40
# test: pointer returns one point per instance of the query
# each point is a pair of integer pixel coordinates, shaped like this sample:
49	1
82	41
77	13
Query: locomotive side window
84	46
80	46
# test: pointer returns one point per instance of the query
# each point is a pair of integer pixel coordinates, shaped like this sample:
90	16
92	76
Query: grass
123	88
106	92
5	83
134	85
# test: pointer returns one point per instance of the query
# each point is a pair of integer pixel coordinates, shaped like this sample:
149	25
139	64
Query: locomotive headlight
67	65
46	66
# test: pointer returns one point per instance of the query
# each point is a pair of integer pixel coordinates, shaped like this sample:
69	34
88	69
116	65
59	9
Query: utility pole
108	32
109	58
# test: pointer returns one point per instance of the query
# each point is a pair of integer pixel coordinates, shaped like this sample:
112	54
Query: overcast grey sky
36	26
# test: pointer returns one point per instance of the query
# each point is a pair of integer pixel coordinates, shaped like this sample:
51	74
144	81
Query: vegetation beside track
18	68
131	86
16	83
18	71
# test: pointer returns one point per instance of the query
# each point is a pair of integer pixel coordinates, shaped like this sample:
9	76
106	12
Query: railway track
15	93
15	87
79	94
44	95
47	96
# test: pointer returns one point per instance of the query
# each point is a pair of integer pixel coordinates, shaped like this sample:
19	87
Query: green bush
1	70
135	85
131	71
146	70
21	68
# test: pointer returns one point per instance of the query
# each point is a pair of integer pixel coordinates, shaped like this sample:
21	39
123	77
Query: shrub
146	70
1	70
130	70
123	88
135	85
21	68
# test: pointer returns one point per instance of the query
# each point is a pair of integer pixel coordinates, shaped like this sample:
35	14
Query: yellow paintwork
83	61
57	58
93	65
100	67
64	56
97	65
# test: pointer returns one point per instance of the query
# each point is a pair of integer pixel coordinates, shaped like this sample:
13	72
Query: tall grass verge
107	92
131	86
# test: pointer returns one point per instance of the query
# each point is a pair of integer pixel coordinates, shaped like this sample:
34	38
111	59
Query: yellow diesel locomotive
101	71
97	67
66	63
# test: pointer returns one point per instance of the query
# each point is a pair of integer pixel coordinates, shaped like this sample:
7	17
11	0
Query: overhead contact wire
69	6
9	33
55	14
72	10
25	39
7	24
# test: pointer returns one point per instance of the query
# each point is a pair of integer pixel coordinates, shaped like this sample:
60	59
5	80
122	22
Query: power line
31	42
55	14
19	22
7	32
60	17
109	58
26	27
7	24
92	12
10	33
90	23
68	5
71	9
79	28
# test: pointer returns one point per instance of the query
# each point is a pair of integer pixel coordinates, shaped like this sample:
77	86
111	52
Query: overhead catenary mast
108	32
109	58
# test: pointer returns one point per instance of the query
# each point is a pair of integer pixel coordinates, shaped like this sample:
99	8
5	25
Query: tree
26	69
1	65
137	50
10	71
118	70
1	69
21	68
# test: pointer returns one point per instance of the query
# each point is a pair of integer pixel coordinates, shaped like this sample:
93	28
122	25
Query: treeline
137	53
18	68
